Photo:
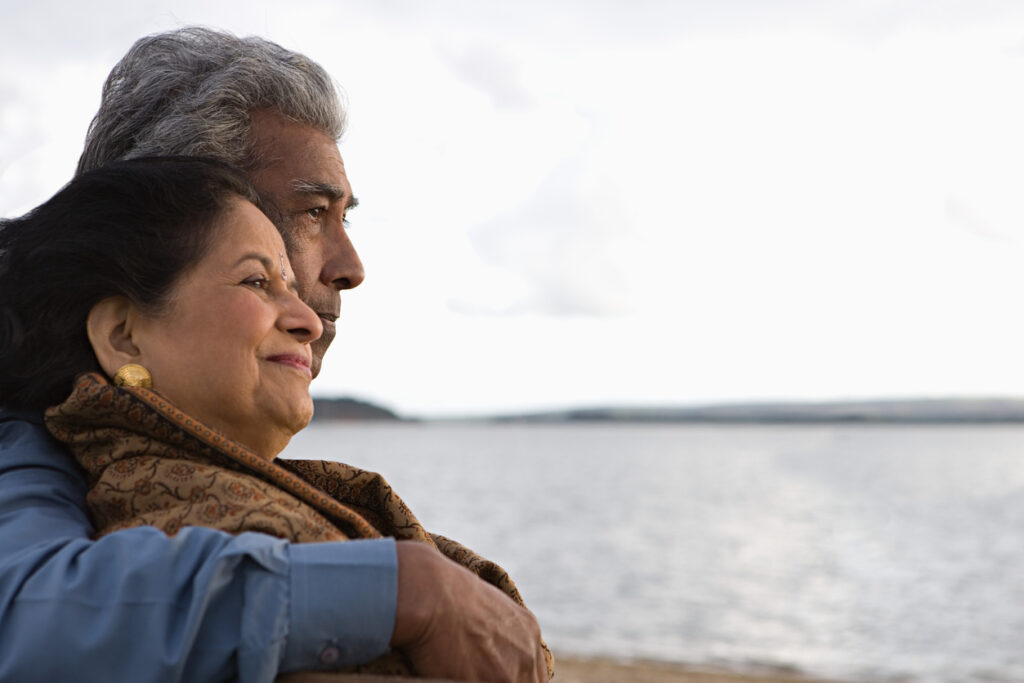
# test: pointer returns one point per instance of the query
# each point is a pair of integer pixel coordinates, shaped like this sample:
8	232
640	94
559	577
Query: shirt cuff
343	602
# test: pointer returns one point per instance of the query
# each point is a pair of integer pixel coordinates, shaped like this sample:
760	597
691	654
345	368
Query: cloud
571	25
965	216
490	71
557	253
21	135
49	32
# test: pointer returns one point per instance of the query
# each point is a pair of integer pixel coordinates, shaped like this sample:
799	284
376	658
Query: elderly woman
150	307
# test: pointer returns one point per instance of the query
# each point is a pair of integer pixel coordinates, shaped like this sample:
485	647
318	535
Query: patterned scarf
149	463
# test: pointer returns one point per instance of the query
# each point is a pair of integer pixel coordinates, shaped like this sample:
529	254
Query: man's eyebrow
332	192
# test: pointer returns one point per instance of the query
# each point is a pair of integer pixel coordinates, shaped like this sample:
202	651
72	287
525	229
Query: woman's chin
264	425
287	405
270	432
303	418
298	415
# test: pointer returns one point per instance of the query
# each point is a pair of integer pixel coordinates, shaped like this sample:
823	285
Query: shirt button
330	655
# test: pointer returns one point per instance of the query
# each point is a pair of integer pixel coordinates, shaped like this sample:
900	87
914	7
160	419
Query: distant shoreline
914	411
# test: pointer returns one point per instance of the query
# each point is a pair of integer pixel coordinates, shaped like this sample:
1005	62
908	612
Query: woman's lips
294	360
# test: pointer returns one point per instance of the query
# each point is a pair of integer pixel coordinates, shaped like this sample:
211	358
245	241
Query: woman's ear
110	328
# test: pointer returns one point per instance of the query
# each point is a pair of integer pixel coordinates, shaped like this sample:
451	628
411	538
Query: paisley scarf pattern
149	463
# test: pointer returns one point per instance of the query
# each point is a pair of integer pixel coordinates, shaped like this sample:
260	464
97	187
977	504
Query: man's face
301	173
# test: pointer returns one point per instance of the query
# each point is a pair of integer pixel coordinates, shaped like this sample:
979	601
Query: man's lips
294	360
328	322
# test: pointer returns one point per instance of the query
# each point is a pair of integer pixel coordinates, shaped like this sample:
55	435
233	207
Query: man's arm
138	605
455	626
204	605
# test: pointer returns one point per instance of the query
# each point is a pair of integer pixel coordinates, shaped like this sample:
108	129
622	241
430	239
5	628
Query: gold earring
133	375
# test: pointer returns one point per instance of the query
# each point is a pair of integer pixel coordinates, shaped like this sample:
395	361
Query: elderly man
204	605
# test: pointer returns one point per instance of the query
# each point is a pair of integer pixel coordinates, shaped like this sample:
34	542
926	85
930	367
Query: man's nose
342	268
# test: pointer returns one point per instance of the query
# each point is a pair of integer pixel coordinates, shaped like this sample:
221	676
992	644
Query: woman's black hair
131	229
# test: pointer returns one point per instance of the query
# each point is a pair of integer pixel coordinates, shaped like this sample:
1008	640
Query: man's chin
319	348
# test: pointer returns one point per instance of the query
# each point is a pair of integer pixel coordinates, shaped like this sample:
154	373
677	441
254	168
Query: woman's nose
299	320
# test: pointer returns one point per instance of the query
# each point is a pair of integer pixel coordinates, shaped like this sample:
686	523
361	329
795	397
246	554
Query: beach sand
579	670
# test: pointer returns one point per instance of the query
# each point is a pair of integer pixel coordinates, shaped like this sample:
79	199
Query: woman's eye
257	281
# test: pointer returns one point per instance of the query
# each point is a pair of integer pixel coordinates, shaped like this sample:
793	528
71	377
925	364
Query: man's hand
452	624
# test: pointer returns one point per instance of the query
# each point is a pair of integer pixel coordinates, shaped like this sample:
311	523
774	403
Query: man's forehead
297	157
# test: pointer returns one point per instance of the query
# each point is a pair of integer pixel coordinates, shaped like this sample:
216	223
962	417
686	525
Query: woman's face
232	348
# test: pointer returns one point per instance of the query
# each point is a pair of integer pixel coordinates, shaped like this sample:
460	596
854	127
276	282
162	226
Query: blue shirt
137	605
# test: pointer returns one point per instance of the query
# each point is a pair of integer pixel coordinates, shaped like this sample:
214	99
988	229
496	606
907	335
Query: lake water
872	553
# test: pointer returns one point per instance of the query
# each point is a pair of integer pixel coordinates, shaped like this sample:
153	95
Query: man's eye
257	281
316	212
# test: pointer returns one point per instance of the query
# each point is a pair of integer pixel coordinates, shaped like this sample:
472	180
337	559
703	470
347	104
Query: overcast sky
638	203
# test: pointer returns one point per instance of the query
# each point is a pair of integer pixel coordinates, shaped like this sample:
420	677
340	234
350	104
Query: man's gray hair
192	92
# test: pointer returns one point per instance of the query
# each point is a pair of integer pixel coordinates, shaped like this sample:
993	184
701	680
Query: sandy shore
574	670
577	670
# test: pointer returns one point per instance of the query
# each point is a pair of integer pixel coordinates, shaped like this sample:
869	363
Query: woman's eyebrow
255	256
269	264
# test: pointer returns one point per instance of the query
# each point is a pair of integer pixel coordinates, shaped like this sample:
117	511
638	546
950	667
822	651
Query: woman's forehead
243	229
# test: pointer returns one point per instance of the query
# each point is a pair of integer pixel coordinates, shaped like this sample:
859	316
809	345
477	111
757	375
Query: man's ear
110	329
